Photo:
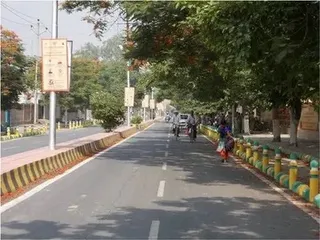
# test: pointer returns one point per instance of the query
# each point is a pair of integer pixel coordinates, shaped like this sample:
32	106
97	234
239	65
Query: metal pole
35	110
128	73
52	130
144	114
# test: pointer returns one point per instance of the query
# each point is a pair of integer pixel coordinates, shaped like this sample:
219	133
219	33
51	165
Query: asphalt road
143	189
30	143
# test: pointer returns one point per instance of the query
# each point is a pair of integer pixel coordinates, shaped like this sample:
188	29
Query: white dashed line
154	230
161	188
72	208
4	149
167	146
166	154
164	166
168	140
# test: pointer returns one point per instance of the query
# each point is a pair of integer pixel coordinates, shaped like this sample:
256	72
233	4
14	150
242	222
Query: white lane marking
40	187
83	195
168	140
154	230
167	146
164	166
166	154
277	189
4	149
72	208
161	188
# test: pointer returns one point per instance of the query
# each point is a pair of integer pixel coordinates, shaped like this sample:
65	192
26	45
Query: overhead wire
3	18
16	12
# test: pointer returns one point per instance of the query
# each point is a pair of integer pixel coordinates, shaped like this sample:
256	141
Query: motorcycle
167	119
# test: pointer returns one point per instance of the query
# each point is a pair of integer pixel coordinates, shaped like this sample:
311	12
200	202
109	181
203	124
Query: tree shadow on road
189	218
198	162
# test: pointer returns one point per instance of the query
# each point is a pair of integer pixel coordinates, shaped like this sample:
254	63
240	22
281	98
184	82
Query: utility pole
35	94
52	130
128	70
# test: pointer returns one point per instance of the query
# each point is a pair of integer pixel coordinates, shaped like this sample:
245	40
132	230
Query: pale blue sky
21	14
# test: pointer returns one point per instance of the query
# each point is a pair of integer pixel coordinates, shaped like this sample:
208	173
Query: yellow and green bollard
277	164
265	158
248	151
255	149
73	125
241	147
70	125
8	132
59	126
314	180
293	170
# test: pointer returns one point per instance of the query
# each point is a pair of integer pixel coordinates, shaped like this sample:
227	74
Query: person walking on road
228	147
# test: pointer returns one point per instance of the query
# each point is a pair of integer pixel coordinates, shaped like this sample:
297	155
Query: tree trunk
295	113
66	117
44	112
233	118
276	130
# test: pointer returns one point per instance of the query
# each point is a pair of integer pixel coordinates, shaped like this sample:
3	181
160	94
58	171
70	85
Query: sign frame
152	104
64	58
129	96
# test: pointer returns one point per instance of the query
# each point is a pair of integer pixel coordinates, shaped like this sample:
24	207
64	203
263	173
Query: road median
21	173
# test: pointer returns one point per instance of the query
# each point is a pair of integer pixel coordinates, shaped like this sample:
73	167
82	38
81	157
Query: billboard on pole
152	103
55	65
129	97
145	102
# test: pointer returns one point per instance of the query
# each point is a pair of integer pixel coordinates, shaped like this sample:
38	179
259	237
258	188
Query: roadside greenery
215	54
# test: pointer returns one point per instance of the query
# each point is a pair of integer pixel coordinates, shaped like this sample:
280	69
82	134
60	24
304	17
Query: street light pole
128	85
128	72
52	130
38	34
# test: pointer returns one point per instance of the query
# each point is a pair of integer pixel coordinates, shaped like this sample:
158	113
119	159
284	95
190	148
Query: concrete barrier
22	176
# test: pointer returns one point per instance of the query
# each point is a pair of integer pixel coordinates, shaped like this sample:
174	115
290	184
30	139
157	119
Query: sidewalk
305	146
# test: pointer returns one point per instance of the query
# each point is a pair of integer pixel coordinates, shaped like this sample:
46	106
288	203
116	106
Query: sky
19	16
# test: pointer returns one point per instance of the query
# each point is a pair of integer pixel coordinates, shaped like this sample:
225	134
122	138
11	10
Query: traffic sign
55	65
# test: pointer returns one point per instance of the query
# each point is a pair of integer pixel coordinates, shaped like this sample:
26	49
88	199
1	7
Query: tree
13	68
256	54
89	51
84	81
110	50
107	108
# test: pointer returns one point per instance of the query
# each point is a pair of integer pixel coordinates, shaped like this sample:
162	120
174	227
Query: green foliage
136	119
107	108
13	69
257	54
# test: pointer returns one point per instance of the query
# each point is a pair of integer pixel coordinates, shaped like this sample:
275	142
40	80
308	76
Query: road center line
166	154
164	166
161	188
4	149
154	230
167	146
